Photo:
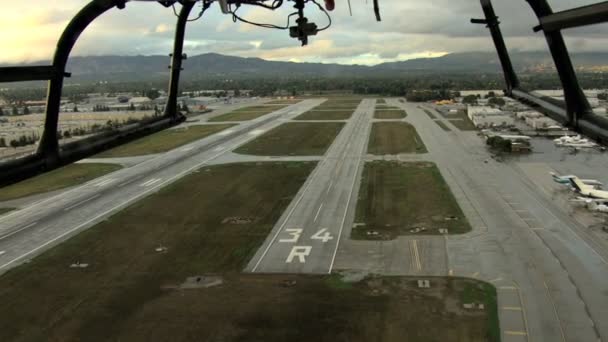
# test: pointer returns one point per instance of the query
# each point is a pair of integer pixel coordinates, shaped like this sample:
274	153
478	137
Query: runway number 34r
301	252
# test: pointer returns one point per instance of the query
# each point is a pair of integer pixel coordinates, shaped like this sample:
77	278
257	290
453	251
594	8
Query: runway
307	236
27	232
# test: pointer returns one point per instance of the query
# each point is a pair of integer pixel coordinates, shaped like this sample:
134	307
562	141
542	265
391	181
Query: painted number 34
295	234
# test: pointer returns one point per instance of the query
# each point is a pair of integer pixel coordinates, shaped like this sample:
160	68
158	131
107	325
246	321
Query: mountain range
211	65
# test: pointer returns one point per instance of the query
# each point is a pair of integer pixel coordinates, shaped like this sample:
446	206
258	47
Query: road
307	236
41	225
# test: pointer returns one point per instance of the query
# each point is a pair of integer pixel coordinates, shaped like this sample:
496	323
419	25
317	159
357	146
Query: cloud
410	29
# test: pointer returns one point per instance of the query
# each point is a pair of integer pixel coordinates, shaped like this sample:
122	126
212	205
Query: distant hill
140	68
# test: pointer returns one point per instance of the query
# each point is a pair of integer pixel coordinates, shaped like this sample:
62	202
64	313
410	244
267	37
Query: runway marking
318	212
495	280
475	275
81	202
515	333
257	132
415	255
295	235
511	308
226	132
331	183
186	149
451	272
151	182
322	235
2	252
217	149
509	288
18	230
520	210
104	182
299	251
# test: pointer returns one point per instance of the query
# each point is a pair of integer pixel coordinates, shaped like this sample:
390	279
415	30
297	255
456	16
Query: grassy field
389	114
5	210
294	139
130	292
340	104
396	198
247	113
463	124
64	177
163	141
284	102
394	138
338	114
442	125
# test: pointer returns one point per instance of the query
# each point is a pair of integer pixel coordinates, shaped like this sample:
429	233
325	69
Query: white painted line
495	280
81	202
217	149
475	275
451	272
509	288
417	263
188	148
331	183
104	182
226	132
318	211
515	333
511	308
151	182
2	252
18	230
257	132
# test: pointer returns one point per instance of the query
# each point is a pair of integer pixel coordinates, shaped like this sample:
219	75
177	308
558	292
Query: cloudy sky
410	28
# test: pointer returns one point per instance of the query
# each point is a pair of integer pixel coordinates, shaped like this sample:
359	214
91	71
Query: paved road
31	230
551	281
306	237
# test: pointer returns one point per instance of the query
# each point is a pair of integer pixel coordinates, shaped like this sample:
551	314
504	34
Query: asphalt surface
307	236
29	231
550	273
551	278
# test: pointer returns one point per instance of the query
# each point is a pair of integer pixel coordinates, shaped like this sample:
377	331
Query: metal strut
493	24
577	105
176	59
48	148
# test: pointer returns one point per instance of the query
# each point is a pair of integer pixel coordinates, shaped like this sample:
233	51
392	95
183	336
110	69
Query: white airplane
566	180
599	207
576	141
588	190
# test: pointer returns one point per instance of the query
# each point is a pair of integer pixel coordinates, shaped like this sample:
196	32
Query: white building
484	116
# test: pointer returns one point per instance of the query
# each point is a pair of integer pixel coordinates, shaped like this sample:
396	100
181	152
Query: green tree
15	110
152	94
26	110
2	142
185	108
470	99
132	106
1	112
14	143
497	101
75	110
237	92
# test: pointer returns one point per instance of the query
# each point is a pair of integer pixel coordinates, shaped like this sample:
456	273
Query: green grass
6	210
64	177
380	101
163	141
132	293
390	114
326	115
247	113
394	138
484	293
463	124
397	197
294	139
47	300
442	125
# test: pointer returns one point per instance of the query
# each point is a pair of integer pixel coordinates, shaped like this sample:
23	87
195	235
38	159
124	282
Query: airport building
485	117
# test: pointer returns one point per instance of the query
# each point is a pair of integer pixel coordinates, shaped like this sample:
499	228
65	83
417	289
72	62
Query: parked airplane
587	190
566	180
